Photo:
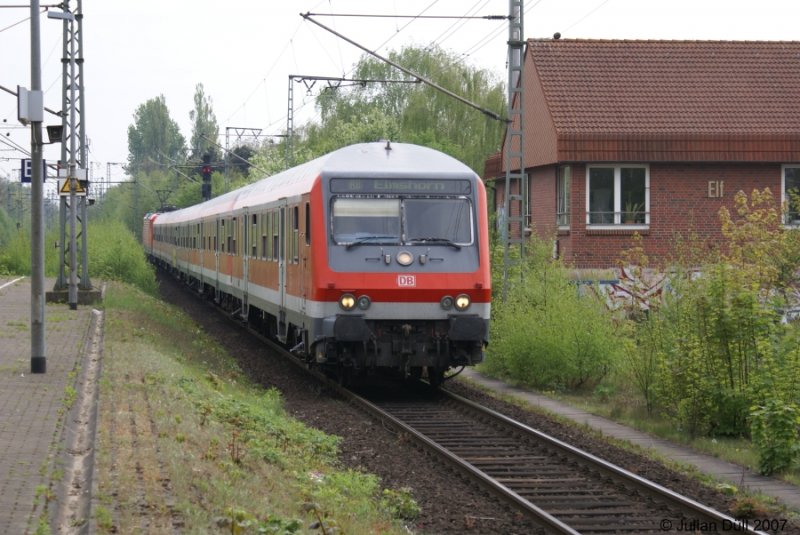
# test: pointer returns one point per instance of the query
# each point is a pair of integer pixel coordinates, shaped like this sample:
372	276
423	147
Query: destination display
401	186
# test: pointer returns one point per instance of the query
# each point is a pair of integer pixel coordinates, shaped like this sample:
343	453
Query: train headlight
347	302
363	302
446	302
404	258
462	302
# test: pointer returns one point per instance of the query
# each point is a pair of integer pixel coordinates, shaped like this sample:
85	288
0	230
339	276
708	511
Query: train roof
379	160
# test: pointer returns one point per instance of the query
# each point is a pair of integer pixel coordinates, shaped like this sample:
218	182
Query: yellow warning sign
64	188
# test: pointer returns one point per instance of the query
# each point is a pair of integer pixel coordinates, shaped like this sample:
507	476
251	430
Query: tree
204	127
239	158
415	113
154	139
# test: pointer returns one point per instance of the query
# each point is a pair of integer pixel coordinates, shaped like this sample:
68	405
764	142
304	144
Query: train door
245	252
200	247
283	325
217	241
302	251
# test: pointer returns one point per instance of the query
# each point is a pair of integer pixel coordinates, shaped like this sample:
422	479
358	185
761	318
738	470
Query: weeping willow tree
414	113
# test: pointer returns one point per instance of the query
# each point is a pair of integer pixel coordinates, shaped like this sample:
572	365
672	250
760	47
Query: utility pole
38	354
73	154
515	198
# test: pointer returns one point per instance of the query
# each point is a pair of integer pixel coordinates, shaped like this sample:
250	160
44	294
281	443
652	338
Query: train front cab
406	272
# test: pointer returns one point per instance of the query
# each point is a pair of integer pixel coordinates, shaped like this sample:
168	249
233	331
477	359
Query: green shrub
546	334
716	341
774	432
15	255
115	254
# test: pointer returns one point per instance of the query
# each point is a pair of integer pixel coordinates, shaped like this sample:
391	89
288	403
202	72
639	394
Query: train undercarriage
347	347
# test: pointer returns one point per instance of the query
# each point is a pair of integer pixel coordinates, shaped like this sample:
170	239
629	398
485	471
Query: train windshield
373	220
437	220
408	220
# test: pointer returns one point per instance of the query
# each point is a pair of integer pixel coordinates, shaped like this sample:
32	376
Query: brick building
651	137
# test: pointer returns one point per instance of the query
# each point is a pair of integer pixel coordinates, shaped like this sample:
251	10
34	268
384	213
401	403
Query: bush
716	341
114	254
15	255
546	334
774	431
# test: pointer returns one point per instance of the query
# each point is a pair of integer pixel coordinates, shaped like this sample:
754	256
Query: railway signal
207	170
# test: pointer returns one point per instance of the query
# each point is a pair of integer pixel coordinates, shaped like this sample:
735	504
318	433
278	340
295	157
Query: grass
185	437
624	409
627	409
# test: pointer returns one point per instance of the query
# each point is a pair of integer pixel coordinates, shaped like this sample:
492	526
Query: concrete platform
85	297
34	407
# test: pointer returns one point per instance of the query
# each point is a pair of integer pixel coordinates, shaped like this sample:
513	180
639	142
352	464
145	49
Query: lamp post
38	355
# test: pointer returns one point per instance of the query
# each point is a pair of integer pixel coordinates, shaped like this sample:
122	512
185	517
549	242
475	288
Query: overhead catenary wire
424	80
479	44
458	24
303	103
381	16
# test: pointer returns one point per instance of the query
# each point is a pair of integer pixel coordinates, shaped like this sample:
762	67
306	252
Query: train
372	258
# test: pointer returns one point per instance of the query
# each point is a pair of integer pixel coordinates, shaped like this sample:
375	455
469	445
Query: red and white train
375	256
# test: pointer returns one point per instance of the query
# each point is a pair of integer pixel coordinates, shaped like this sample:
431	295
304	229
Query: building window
790	193
618	195
562	195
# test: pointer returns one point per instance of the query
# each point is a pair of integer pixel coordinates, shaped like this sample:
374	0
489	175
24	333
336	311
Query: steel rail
547	520
620	474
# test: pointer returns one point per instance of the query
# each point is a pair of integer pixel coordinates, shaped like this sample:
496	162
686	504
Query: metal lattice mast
83	161
290	125
334	82
515	203
73	155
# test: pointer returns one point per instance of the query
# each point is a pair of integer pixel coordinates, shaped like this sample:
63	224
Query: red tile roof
670	87
606	100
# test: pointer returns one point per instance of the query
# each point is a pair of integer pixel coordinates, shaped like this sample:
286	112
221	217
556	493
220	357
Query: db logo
406	281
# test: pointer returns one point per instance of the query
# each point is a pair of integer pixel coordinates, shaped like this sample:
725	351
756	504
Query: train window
232	236
268	233
275	238
372	219
295	234
308	224
445	219
254	236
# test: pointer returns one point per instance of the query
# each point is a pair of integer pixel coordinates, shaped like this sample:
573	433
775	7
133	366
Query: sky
243	52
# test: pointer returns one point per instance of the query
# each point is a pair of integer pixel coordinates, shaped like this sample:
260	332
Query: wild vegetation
714	356
113	253
185	436
545	334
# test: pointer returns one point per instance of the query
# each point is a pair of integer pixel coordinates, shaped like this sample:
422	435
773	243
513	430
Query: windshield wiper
367	239
444	241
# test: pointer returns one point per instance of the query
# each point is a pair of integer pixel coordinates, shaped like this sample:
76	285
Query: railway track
563	488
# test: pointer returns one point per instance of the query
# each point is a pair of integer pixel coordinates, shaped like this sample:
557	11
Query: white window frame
618	224
784	199
563	191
